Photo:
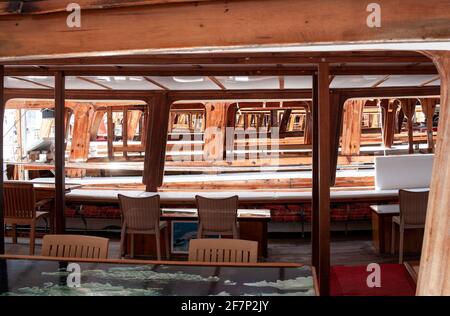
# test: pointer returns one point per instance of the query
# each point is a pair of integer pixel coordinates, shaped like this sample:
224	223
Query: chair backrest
217	215
19	200
75	246
223	250
413	206
140	213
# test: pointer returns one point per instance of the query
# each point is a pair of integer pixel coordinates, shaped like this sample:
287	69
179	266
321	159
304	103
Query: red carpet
351	281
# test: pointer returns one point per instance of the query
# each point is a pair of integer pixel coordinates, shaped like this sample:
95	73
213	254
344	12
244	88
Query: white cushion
403	172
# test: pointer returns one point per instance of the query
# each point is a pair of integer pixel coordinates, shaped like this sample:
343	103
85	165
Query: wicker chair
21	209
142	216
413	211
75	246
223	250
217	217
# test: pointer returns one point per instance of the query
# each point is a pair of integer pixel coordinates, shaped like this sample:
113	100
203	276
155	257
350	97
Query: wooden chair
75	246
21	209
142	216
223	250
413	211
217	217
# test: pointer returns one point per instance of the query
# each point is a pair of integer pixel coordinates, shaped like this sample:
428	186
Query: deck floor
354	249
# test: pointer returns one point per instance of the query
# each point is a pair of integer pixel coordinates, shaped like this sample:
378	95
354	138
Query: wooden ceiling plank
282	82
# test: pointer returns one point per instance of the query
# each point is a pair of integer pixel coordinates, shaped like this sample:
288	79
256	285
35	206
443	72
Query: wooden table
382	230
48	276
252	226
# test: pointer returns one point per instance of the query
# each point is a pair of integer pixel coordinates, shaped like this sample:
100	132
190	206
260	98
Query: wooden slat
351	131
59	153
434	273
222	24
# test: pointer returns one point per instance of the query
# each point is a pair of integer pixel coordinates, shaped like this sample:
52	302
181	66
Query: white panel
186	83
340	82
73	83
407	80
298	82
250	83
20	84
403	172
124	83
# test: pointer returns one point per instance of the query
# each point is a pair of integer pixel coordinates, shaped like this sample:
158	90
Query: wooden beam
134	117
125	132
423	84
236	23
376	84
351	131
59	225
324	168
96	122
434	272
155	150
52	6
2	118
336	113
282	82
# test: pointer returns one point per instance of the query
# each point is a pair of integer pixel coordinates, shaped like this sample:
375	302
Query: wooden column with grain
324	167
216	123
81	137
307	138
409	109
429	108
2	116
59	218
389	110
434	273
351	131
155	151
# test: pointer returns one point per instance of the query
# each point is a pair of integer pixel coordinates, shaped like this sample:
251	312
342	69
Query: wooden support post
324	167
110	136
2	118
96	121
284	122
409	109
81	137
307	138
145	127
134	117
351	131
59	225
125	133
336	113
429	108
434	272
315	176
155	151
216	121
389	110
274	118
